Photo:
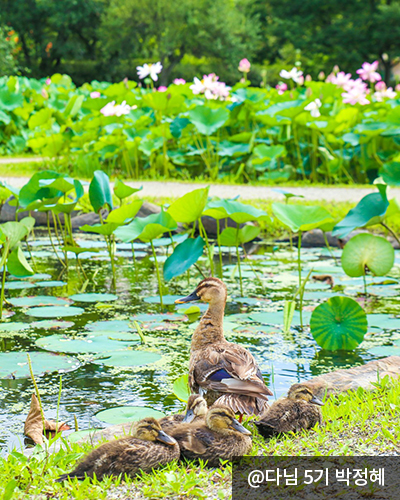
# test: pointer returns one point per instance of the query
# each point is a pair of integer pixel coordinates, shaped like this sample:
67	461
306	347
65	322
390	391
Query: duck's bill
190	298
189	417
240	428
317	401
164	438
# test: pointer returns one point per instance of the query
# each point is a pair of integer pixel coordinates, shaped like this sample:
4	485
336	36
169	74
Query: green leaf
121	214
370	210
207	120
14	232
92	343
9	489
17	264
123	414
146	228
100	192
32	190
15	364
94	297
269	152
390	173
54	311
288	312
10	100
105	229
367	252
189	207
183	257
340	323
247	233
122	190
127	358
301	218
238	212
73	106
181	388
39	118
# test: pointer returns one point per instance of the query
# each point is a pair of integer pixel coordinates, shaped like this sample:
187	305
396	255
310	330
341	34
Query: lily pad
115	325
128	358
123	414
385	350
88	344
38	300
54	311
18	285
15	364
76	436
13	327
340	323
94	297
52	324
50	283
167	299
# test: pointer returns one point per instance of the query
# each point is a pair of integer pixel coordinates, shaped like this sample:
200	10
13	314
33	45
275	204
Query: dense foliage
314	130
107	38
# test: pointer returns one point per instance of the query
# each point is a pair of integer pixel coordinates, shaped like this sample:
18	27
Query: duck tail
242	404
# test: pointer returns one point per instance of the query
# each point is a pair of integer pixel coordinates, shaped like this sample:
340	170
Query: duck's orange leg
240	418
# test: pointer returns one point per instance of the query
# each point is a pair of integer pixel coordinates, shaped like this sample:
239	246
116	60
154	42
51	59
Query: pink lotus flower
308	78
48	81
397	88
244	66
95	94
342	79
368	72
179	81
380	86
294	74
313	108
210	87
151	70
336	69
384	93
44	93
281	88
162	88
355	95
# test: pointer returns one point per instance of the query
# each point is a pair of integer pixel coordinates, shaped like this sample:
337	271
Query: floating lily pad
94	297
255	329
268	317
52	324
385	350
50	283
18	285
167	299
123	414
157	317
383	321
76	436
54	311
115	325
128	358
15	364
13	327
250	301
88	344
38	300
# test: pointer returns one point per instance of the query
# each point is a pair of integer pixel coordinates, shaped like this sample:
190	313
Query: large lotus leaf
14	232
4	118
340	323
121	214
107	228
269	152
230	235
100	191
17	264
369	211
15	364
127	358
32	190
122	190
238	212
123	414
91	343
61	183
74	105
189	207
39	118
146	228
208	120
390	173
367	252
181	388
183	257
38	300
10	100
28	222
54	311
94	297
301	218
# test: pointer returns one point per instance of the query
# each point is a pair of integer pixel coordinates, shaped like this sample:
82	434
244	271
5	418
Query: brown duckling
299	410
223	372
148	447
196	410
221	436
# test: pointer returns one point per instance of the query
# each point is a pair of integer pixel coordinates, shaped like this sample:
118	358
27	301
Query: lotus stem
36	391
299	268
391	232
58	401
3	280
210	259
238	259
158	274
139	332
329	247
219	249
51	239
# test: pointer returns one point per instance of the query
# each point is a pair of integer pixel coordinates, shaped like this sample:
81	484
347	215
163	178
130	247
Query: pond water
91	340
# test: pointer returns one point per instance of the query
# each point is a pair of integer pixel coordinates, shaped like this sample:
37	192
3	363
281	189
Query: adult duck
299	410
223	372
147	448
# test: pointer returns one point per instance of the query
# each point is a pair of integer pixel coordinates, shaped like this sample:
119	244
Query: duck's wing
229	368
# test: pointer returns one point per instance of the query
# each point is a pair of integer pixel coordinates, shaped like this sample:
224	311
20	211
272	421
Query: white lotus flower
313	108
294	74
152	70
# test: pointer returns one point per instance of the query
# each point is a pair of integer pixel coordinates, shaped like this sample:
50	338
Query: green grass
355	423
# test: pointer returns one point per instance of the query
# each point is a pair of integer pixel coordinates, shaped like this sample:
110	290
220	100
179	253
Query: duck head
299	392
196	407
149	429
221	419
210	290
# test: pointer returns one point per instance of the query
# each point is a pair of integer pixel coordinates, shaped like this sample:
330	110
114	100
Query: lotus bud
321	75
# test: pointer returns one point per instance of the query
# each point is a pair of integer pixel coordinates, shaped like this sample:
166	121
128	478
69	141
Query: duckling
223	372
196	410
148	447
221	436
299	410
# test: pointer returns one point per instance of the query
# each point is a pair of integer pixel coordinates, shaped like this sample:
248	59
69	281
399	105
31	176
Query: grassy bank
355	423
